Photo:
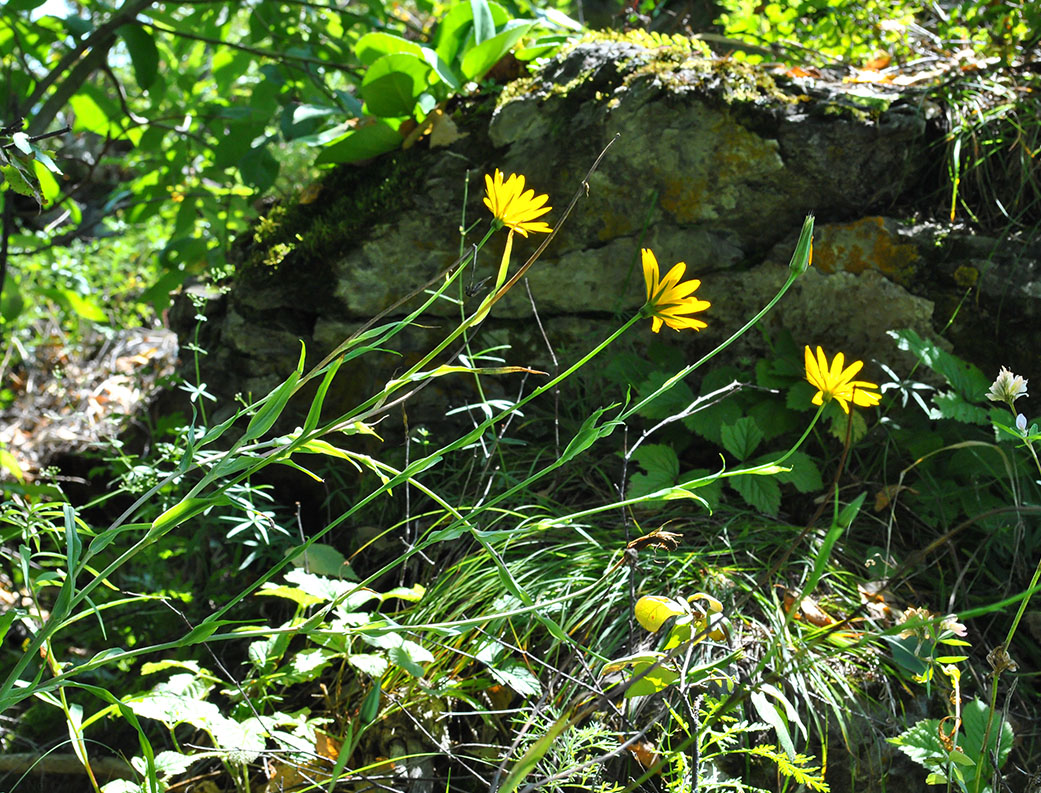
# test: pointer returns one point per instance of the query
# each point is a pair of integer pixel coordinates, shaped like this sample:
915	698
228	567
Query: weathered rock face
714	164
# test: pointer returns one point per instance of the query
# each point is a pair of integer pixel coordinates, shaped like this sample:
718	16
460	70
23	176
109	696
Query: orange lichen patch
685	199
865	244
614	224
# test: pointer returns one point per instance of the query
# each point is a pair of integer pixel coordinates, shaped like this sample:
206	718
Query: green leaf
675	400
442	69
589	433
89	116
19	176
974	721
711	490
775	419
518	677
245	739
484	27
182	511
965	378
768	712
662	468
77	304
144	56
805	474
324	560
708	422
273	405
361	144
49	187
259	168
484	56
849	512
369	664
370	706
951	405
455	31
761	492
393	83
12	303
373	46
741	438
840	424
6	619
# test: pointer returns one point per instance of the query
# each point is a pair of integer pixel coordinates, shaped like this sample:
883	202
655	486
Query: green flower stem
682	373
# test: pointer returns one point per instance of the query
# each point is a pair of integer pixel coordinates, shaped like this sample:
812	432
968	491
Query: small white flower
1007	387
1021	423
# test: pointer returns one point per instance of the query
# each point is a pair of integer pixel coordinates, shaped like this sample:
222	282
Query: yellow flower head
668	299
513	206
834	382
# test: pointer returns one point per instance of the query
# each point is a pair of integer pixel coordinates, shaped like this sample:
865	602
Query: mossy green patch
678	63
348	200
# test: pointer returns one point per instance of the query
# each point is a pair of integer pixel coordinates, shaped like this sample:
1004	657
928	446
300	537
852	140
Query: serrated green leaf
666	404
840	424
950	405
741	438
965	378
661	468
20	180
761	492
306	665
708	421
805	475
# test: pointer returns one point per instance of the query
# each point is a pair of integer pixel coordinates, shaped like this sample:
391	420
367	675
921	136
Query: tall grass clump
548	649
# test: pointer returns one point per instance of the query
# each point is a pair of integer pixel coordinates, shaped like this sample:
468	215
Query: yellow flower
668	299
514	207
834	382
